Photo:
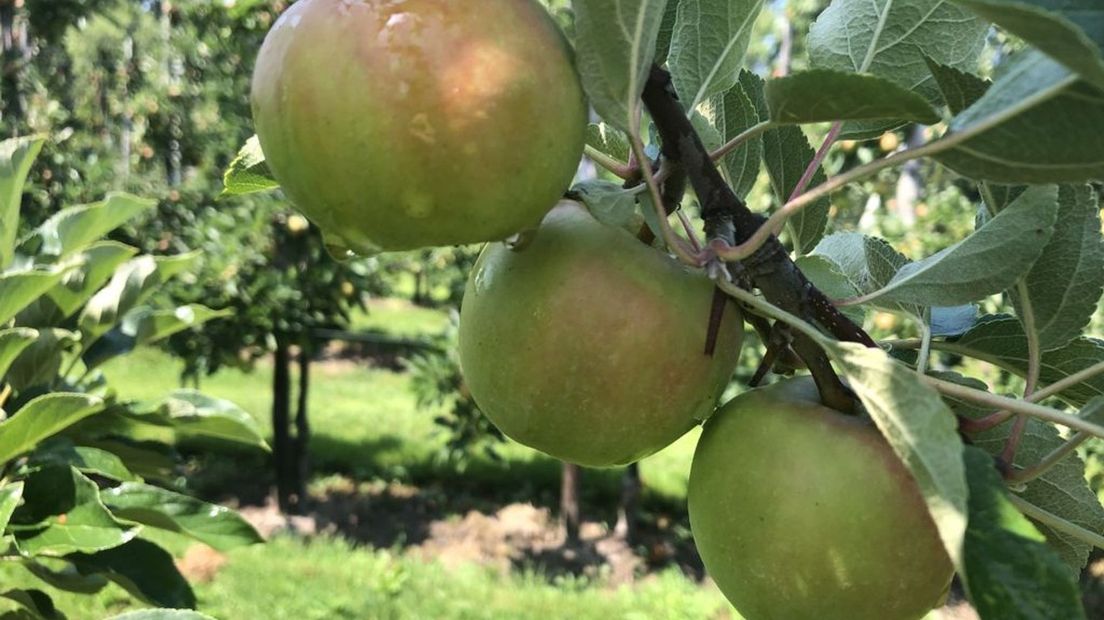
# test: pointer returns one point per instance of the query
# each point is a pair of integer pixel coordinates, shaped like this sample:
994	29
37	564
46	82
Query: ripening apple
398	124
802	512
589	345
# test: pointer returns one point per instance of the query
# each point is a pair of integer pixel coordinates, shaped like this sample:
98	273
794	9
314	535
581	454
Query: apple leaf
1061	291
787	155
141	568
827	276
73	229
708	45
249	173
1008	570
1070	31
1000	340
608	140
16	157
36	602
960	89
43	417
921	429
987	262
615	42
10	494
1030	128
12	343
62	513
824	95
610	203
216	526
890	39
732	113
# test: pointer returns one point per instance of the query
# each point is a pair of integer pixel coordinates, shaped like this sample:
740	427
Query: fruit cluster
398	124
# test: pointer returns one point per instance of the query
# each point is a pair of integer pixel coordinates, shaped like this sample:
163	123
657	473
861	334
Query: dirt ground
510	537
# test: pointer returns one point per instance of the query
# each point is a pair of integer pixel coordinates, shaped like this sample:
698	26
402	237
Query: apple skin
589	345
801	512
399	125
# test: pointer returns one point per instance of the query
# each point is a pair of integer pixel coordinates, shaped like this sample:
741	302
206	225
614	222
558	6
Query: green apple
800	512
589	345
398	124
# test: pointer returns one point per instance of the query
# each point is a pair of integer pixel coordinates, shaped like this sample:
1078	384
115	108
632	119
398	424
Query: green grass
330	579
399	317
367	427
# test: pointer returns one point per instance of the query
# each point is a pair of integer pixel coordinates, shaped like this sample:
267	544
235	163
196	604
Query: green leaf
12	344
43	417
97	263
40	363
960	89
615	42
1062	490
216	526
608	140
1000	340
74	229
1031	126
732	113
666	31
193	413
147	459
142	326
37	602
827	276
62	513
143	569
869	263
66	579
1070	31
131	284
985	263
787	154
1064	286
890	39
248	173
919	427
610	203
824	95
10	494
162	614
1007	569
85	459
16	157
708	46
21	288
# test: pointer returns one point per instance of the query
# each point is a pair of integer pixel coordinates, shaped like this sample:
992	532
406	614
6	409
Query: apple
399	124
802	512
589	345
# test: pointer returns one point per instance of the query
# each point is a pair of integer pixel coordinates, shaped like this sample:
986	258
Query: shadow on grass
381	494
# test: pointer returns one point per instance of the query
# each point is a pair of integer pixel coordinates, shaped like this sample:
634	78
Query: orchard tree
890	466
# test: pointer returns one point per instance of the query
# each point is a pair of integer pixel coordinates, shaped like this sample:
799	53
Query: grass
367	427
330	579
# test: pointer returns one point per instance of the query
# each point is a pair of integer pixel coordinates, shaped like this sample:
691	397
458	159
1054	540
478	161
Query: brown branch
727	218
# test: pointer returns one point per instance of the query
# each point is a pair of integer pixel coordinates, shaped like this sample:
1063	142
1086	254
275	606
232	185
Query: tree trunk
302	431
282	449
14	47
569	501
630	502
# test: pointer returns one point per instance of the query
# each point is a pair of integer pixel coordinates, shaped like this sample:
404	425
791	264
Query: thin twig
1056	522
1016	406
755	130
617	168
1048	462
948	141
